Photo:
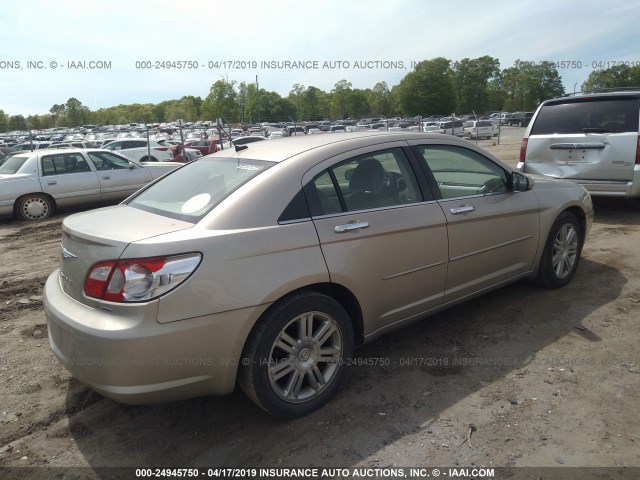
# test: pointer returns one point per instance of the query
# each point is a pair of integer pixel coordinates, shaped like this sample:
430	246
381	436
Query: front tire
294	359
34	207
561	253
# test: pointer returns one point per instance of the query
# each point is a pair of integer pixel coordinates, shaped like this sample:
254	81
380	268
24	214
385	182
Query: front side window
190	192
108	161
373	180
64	163
460	172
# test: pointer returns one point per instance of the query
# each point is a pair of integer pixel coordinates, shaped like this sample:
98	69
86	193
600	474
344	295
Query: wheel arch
581	216
17	201
337	292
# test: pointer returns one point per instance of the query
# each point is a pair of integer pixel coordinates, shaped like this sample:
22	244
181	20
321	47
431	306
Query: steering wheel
389	182
493	185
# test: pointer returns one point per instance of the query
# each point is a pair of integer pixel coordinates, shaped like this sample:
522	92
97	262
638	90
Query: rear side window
12	165
589	116
62	164
190	192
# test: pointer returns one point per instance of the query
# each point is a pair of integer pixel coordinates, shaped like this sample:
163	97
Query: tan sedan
266	266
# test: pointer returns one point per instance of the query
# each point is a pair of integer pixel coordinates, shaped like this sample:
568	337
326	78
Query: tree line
434	86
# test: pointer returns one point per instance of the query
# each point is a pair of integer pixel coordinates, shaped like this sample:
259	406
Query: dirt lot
546	378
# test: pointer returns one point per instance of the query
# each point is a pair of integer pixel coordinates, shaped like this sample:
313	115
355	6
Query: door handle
52	182
106	177
463	209
350	226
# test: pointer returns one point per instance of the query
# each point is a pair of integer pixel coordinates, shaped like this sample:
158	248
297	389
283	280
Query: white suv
138	151
479	129
591	139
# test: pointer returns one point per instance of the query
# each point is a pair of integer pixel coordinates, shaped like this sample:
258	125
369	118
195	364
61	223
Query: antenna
221	129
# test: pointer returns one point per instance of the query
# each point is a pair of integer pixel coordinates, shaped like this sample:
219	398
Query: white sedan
34	184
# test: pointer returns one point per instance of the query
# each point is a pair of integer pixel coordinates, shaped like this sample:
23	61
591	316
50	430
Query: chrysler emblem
66	253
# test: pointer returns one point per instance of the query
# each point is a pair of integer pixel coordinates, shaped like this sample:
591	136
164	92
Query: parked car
268	265
33	185
205	147
451	127
276	134
72	144
136	149
593	140
520	119
294	131
29	146
505	117
478	129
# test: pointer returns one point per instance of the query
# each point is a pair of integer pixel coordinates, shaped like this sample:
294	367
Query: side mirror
521	182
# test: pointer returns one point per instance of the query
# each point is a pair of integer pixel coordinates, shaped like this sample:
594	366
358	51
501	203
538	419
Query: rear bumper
133	359
603	188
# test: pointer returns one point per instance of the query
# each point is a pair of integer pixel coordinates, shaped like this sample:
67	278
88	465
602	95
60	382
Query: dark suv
521	119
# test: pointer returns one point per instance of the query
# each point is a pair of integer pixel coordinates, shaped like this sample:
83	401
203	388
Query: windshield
12	165
190	192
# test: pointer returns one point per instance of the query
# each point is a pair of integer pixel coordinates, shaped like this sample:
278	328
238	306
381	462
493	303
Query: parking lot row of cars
594	143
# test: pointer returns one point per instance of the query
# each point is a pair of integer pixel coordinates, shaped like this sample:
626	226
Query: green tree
221	101
17	122
312	108
429	89
472	77
296	96
614	77
380	99
76	113
4	121
58	114
526	85
340	99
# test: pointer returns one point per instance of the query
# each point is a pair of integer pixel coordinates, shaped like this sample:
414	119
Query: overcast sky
119	34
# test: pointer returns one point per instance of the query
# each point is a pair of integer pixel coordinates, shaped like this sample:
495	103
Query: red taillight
134	280
638	152
161	149
523	149
98	279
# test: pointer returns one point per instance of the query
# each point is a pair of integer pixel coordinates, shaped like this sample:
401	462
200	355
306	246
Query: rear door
586	138
380	237
69	179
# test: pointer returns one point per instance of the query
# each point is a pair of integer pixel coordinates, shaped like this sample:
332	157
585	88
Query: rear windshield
593	116
12	165
190	192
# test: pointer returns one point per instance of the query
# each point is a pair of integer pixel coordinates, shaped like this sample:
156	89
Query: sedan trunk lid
101	235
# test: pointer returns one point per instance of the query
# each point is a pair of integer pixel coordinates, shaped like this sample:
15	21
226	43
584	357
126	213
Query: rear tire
561	253
34	206
295	358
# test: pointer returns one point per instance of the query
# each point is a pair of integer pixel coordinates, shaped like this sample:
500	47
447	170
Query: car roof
583	97
284	148
54	151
